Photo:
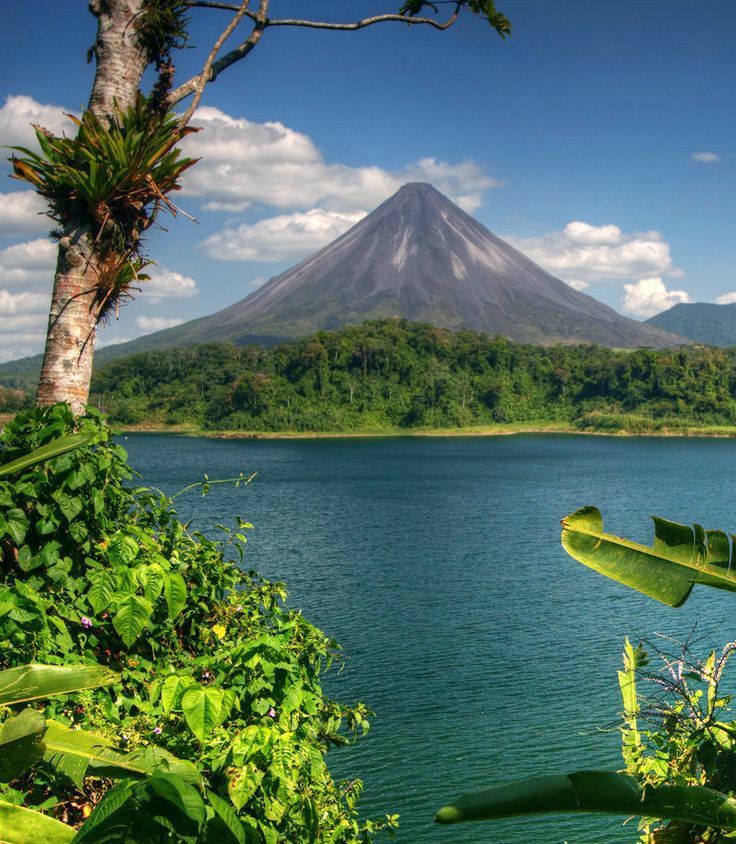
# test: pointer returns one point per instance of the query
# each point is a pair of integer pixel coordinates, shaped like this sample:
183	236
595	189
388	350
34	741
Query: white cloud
287	236
28	264
167	284
19	112
650	296
726	298
581	253
101	341
705	157
23	303
245	162
148	324
23	212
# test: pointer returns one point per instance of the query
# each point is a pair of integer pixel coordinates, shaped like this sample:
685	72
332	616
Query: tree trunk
67	361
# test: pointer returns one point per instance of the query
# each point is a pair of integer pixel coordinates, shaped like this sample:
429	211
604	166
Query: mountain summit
419	257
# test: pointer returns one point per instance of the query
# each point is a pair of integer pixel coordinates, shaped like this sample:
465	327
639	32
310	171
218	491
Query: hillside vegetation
398	375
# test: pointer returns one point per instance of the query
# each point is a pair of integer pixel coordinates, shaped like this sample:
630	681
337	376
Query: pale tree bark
67	362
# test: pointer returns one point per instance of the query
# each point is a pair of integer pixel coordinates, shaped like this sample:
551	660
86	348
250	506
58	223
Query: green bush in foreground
212	668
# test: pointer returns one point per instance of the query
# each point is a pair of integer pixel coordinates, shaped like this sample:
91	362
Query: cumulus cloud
650	296
19	112
245	162
582	253
23	212
167	284
287	236
705	157
726	298
148	324
28	264
23	303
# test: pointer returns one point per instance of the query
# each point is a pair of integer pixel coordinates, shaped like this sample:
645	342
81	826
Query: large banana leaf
46	452
73	751
595	791
24	826
21	743
31	682
680	556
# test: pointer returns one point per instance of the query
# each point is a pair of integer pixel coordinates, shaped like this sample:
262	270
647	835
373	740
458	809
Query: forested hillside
392	374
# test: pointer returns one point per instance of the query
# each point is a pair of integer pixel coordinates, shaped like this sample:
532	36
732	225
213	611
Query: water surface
486	652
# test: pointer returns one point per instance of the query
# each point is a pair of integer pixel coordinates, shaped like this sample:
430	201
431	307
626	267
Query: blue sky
599	139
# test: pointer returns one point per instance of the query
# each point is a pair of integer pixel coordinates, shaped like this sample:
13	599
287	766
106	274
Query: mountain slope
420	257
702	322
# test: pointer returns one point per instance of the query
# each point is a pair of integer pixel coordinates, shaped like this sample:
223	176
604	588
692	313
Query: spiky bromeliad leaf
595	791
24	826
31	682
680	556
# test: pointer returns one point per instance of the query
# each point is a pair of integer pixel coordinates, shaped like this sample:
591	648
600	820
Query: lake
486	652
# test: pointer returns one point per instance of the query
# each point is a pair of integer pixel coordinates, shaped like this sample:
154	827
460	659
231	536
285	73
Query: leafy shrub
212	667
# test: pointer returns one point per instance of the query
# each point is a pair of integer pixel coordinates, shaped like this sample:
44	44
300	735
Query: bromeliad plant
212	669
680	775
113	178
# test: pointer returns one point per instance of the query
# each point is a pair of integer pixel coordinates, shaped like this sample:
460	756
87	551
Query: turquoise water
486	652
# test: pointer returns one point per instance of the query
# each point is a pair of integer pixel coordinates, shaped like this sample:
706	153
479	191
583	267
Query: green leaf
14	523
173	789
131	618
680	557
31	682
175	590
24	826
152	578
172	690
595	791
101	825
122	550
46	452
21	743
153	758
70	505
226	814
202	707
102	590
72	752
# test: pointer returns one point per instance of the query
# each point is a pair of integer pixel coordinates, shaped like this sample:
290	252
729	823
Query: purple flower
157	731
85	622
271	712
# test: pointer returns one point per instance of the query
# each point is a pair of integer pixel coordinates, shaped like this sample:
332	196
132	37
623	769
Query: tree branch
213	67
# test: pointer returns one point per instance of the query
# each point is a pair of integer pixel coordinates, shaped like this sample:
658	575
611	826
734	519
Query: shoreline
498	430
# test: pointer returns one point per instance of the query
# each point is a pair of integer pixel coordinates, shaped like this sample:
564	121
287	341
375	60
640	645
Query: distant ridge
703	322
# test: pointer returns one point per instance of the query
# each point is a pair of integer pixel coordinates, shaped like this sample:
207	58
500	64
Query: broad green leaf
634	658
172	689
21	743
70	505
122	550
46	452
226	814
153	758
202	707
102	591
679	558
72	752
31	682
14	523
131	618
175	590
595	791
24	826
186	798
101	824
152	579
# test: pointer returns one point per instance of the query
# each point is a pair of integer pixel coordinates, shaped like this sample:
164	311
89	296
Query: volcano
421	258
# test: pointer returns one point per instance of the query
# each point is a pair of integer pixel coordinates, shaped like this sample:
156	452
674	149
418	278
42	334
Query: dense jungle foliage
398	375
393	374
214	718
